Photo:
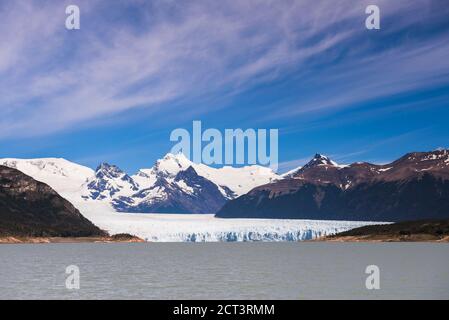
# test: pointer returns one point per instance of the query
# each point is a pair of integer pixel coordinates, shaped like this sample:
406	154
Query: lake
298	270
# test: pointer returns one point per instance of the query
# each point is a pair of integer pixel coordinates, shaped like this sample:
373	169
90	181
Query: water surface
225	271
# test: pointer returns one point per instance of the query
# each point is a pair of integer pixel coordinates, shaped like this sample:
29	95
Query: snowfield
207	228
152	188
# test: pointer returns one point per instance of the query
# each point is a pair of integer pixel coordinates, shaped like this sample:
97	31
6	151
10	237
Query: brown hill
29	208
414	187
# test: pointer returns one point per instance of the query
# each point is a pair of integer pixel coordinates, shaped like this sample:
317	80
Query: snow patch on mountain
66	177
239	180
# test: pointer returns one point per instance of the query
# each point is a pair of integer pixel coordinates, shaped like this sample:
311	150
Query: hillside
414	187
427	230
29	208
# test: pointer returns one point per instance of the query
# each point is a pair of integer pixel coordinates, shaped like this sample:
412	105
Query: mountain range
414	187
173	185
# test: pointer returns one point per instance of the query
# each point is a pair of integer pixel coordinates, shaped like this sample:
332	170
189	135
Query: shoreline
406	231
329	239
120	238
419	238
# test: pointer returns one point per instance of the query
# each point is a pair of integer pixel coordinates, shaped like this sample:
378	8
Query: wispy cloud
52	79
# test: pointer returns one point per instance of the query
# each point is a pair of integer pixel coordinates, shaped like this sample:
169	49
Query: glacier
207	228
71	179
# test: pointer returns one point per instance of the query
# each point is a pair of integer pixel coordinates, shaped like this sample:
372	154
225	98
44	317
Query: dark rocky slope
414	187
422	230
29	208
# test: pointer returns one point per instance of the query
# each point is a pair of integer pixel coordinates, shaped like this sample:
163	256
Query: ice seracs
207	228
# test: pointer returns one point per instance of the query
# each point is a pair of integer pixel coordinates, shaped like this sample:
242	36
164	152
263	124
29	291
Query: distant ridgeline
173	185
413	187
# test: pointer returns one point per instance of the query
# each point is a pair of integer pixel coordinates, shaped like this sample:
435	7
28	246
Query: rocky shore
123	238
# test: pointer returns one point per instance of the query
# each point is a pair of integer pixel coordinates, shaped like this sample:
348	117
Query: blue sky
114	90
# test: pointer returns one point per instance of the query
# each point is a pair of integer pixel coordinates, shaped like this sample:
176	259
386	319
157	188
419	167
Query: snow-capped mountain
173	185
416	186
66	177
187	192
109	182
318	160
232	182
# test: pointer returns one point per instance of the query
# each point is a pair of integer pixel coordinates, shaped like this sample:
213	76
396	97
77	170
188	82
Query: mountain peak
105	166
317	161
171	164
178	156
109	170
108	181
320	160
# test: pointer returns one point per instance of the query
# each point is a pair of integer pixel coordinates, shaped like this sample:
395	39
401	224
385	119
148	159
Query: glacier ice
207	228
